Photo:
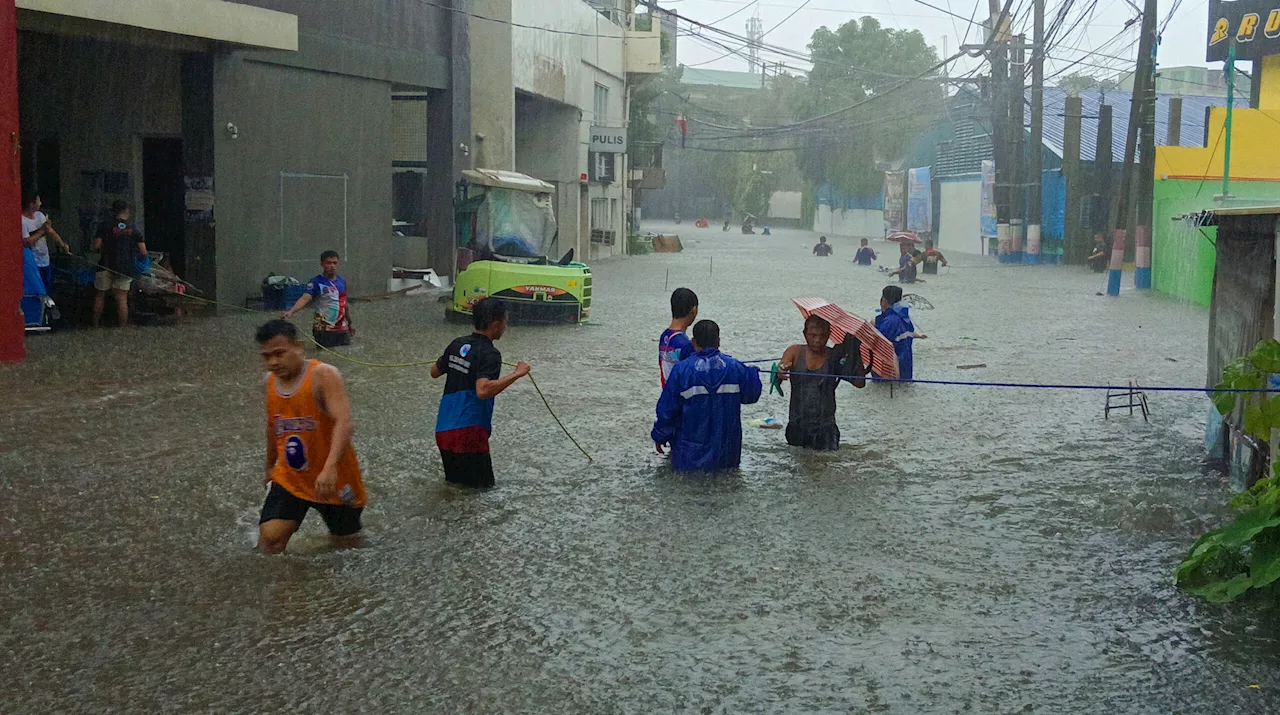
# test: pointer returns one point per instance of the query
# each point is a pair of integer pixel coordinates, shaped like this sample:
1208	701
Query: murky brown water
968	550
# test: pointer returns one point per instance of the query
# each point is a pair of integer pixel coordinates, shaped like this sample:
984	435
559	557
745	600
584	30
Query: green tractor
504	227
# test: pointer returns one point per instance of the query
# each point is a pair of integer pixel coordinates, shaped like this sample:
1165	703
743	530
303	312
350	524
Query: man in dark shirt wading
465	420
119	245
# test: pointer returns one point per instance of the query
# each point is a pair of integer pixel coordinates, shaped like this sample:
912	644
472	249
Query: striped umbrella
903	237
877	351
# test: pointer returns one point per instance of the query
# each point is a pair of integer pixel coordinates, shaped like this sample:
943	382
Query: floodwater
967	550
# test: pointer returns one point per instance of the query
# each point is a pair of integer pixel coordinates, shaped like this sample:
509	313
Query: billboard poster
895	202
1253	26
988	199
919	200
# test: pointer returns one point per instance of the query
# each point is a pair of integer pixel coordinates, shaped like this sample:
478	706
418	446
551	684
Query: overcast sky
1183	41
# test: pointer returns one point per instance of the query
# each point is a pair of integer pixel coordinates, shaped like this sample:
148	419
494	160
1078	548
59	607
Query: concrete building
572	91
251	135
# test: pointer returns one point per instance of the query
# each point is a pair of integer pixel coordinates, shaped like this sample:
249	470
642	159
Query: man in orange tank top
311	463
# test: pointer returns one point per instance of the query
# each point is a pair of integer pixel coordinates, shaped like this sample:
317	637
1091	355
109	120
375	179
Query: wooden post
1073	248
1173	135
12	326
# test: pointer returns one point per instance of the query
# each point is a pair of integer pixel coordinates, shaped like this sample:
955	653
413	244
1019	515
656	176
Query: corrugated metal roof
1055	107
695	76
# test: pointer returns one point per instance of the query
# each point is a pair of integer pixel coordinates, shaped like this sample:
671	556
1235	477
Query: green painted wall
1182	258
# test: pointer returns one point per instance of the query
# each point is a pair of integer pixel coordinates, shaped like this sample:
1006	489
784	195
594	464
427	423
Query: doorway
162	199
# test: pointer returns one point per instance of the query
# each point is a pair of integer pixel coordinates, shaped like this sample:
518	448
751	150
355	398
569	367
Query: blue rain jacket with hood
700	411
895	324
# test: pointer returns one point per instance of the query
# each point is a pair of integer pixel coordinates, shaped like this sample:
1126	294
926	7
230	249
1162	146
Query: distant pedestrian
120	245
465	420
331	326
674	344
865	256
931	259
1098	257
700	412
311	463
907	262
822	249
36	232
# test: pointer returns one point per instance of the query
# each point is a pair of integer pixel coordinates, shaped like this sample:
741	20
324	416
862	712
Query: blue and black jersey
465	421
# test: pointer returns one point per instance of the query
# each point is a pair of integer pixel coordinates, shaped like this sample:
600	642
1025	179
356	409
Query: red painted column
12	330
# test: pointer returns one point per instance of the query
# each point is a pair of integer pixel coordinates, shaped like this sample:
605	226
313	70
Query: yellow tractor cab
505	226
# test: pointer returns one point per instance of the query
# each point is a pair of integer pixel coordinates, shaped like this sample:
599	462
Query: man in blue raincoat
700	411
895	324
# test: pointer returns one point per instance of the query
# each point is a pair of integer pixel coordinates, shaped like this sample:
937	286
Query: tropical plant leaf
1224	591
1261	416
1225	402
1266	356
1248	525
1264	565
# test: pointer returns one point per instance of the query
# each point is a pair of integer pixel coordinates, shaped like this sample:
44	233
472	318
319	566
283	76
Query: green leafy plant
1245	554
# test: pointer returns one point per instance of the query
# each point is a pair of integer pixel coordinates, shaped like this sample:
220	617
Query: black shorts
473	470
824	439
331	338
280	504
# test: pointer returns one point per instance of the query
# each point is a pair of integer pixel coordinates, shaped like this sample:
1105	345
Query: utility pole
1124	215
1018	167
1034	208
1147	166
999	135
1075	182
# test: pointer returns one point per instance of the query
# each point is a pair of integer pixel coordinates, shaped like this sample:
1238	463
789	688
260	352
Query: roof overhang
494	178
216	20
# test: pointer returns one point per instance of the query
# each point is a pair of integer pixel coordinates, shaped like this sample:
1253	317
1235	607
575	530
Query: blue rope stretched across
1026	385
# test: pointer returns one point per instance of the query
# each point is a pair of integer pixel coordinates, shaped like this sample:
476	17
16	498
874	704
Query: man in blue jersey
465	419
331	326
674	344
700	412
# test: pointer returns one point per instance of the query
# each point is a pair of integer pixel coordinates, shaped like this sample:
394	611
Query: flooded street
967	550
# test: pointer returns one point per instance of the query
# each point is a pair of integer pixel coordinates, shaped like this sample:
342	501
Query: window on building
600	215
601	103
603	167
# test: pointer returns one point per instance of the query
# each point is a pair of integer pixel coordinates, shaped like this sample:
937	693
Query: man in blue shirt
700	412
674	345
331	326
865	256
895	325
465	420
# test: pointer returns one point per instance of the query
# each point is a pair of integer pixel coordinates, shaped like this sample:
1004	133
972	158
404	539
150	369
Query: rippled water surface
967	550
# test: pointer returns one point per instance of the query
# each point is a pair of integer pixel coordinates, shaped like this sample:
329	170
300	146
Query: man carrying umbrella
815	372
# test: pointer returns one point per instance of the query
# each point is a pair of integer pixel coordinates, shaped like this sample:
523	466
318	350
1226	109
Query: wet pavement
967	550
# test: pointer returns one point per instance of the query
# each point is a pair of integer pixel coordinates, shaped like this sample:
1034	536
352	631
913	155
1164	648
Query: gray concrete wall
547	148
98	98
1244	290
493	98
300	122
400	41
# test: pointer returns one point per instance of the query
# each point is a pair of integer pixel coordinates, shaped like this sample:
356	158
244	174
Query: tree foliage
865	78
1077	82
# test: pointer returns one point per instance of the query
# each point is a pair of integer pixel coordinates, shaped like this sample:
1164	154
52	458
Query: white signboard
608	140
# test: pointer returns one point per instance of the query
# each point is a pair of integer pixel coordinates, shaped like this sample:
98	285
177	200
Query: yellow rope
381	366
